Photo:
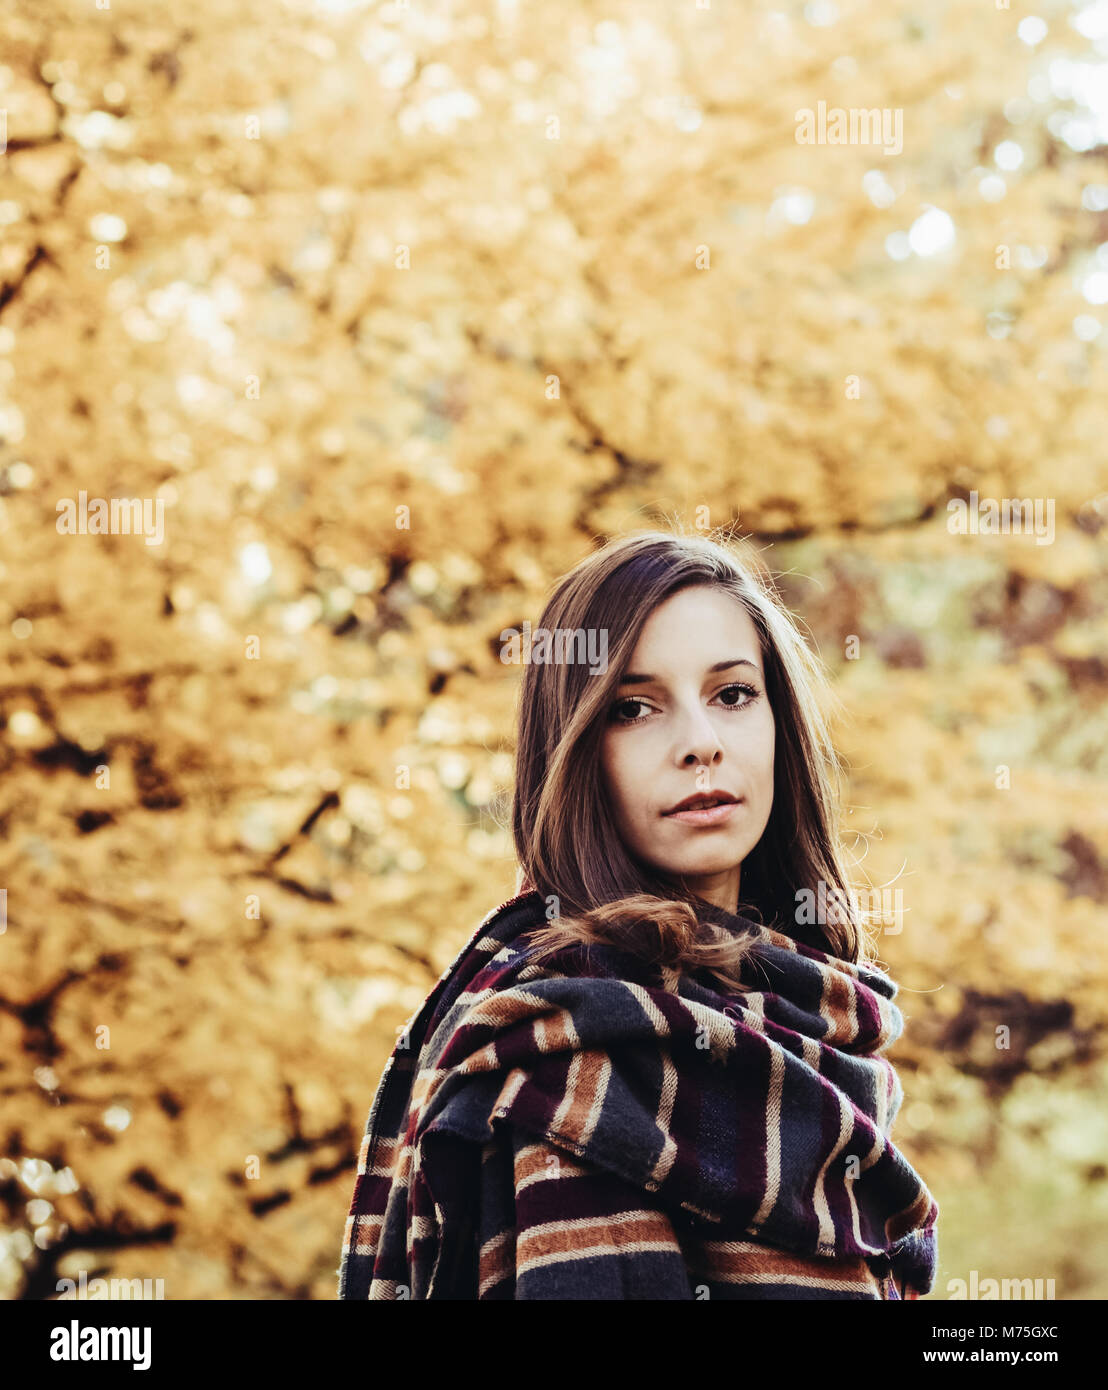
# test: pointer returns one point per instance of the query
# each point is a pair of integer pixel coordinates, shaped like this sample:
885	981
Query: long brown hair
565	835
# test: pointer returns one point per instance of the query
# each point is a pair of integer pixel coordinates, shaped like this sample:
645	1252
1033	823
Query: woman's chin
704	866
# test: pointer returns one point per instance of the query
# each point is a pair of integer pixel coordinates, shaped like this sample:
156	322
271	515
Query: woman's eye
748	690
620	714
621	705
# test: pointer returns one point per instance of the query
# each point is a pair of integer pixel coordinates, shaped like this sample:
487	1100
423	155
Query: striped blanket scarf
591	1127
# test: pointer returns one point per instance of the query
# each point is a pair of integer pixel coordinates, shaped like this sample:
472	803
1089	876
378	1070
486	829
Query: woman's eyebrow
638	678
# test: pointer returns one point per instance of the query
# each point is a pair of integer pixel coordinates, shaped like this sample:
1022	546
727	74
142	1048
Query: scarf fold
757	1115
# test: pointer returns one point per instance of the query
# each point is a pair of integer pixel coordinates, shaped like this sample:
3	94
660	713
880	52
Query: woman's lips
706	815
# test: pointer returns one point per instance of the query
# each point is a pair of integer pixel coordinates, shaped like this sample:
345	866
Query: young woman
655	1072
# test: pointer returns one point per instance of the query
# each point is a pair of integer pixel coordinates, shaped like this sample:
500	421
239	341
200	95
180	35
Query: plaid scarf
595	1127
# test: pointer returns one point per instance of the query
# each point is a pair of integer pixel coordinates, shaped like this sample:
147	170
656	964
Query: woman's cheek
619	771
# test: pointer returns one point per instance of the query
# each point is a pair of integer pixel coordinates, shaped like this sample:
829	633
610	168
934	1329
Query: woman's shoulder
522	942
499	927
516	914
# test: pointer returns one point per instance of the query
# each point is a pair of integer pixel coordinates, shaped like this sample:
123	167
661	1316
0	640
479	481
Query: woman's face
678	728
